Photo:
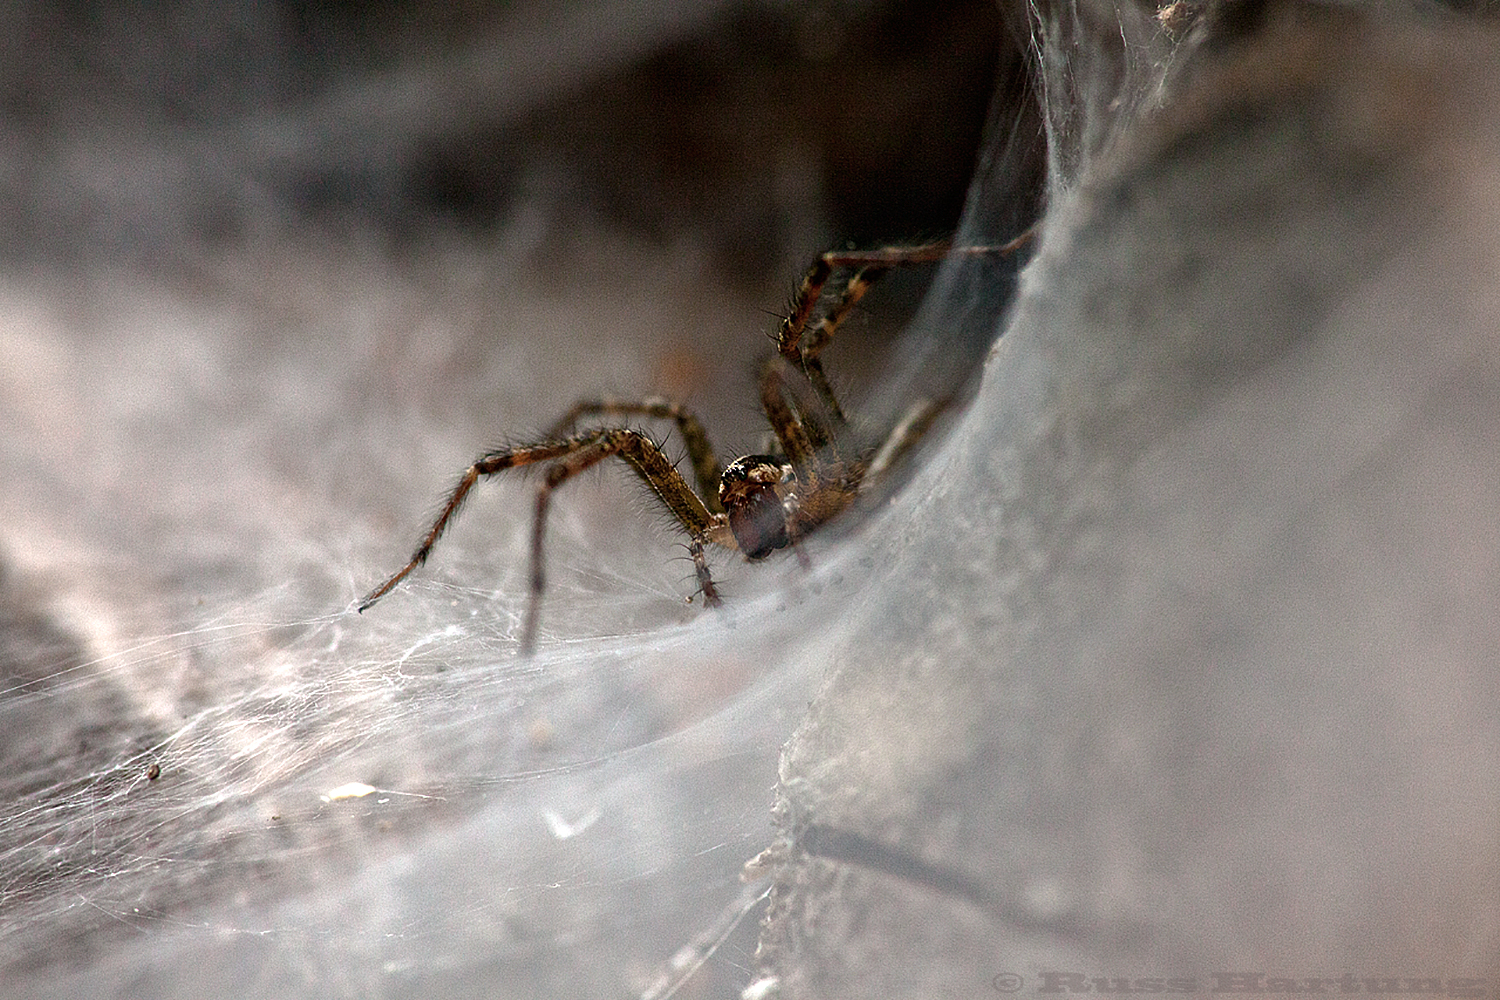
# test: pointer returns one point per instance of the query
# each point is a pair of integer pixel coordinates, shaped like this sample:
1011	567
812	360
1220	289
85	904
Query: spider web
279	795
266	798
219	779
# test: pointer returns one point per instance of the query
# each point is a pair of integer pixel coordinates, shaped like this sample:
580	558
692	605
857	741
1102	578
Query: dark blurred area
138	129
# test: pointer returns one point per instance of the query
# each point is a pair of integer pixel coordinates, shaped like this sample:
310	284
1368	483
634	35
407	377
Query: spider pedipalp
756	494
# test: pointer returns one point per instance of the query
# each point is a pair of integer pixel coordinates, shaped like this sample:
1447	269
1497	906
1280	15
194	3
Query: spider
756	504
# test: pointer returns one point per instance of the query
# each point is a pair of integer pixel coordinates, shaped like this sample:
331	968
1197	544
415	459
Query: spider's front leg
706	586
484	466
658	472
706	469
573	455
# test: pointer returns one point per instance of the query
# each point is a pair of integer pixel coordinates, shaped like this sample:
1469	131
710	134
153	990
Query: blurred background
1173	656
755	126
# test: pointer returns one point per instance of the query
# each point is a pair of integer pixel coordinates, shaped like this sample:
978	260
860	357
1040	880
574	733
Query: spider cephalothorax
755	505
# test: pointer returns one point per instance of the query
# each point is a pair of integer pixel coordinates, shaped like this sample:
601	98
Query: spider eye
753	471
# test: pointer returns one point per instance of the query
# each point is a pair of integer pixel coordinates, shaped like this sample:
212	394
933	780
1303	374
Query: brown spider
757	503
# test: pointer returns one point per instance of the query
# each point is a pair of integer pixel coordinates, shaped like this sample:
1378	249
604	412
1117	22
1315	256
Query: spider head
753	491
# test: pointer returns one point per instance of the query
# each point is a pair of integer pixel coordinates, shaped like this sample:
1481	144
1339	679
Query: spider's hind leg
905	436
800	340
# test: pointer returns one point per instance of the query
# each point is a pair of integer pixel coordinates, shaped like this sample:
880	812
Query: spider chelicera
757	503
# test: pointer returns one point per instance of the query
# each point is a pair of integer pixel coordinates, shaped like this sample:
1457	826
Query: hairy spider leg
870	265
859	283
789	336
706	467
876	262
813	343
576	453
485	465
799	435
652	465
801	348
